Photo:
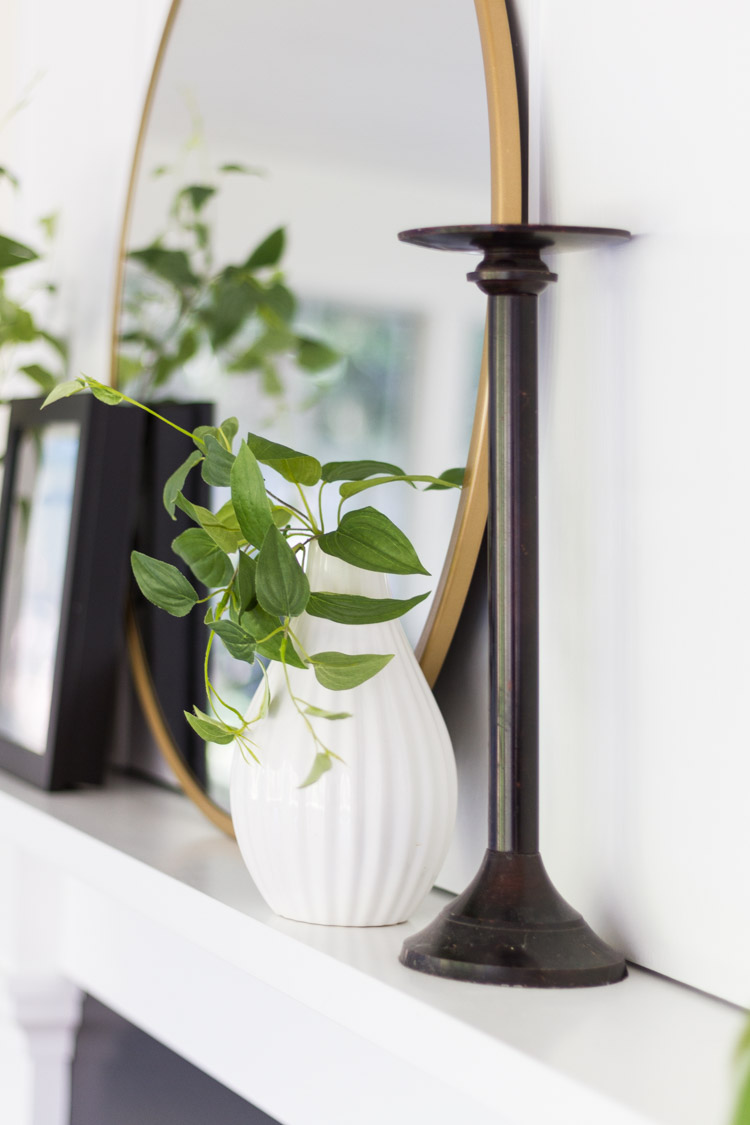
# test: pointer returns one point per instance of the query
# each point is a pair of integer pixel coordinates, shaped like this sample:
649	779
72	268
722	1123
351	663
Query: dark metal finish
511	926
503	237
513	577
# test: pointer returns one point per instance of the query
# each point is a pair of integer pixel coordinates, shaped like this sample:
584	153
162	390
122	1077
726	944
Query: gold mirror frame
471	517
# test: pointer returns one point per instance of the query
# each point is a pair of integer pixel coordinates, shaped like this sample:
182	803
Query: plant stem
286	504
142	406
313	525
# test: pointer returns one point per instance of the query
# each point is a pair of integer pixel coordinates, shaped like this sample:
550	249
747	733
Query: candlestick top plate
513	236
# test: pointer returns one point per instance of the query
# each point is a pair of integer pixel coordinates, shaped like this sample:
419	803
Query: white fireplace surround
129	895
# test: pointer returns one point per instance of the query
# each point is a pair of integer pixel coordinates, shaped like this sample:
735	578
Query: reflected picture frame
67	516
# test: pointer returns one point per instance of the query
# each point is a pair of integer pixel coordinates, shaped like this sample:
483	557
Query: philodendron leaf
280	300
222	526
261	625
312	355
229	428
217	466
176	481
268	252
244	587
357	470
320	766
41	376
351	488
172	266
210	730
64	390
281	516
242	169
251	504
14	253
110	395
198	195
340	671
319	713
451	477
162	584
237	642
352	609
199	436
368	539
280	582
207	561
296	467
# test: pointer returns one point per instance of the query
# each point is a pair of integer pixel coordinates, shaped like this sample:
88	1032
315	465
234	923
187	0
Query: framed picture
67	516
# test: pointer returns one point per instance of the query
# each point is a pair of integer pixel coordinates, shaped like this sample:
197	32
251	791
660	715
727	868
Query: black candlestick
511	926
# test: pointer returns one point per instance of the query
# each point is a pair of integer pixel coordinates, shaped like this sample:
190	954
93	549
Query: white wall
87	65
640	117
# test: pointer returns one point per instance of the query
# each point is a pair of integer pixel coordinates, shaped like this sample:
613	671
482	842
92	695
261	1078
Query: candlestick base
510	926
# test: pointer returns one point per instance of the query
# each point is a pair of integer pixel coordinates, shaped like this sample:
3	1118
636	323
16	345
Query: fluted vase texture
363	845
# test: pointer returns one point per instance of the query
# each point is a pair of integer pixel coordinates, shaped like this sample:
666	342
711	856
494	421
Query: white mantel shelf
151	911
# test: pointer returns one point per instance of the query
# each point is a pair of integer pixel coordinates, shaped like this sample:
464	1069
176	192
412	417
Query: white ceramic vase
364	843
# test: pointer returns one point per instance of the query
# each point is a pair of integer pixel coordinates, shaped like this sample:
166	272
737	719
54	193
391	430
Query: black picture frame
174	647
85	483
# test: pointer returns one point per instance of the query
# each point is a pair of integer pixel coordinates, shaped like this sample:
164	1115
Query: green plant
742	1108
247	556
19	328
177	303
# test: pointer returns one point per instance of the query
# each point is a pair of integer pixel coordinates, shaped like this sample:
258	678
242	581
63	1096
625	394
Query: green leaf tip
340	671
321	765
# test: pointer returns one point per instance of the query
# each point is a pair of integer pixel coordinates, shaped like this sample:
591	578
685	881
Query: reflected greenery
22	333
178	303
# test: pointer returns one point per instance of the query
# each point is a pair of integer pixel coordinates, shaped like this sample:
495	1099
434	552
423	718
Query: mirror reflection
286	146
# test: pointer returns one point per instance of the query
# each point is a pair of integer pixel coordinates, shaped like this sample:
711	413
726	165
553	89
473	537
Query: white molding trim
161	922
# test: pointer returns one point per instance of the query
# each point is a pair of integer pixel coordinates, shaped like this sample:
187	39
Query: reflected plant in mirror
28	349
249	554
178	303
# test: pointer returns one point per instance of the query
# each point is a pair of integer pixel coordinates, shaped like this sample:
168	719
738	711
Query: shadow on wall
121	1075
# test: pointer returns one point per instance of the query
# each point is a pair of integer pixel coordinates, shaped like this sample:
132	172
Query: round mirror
293	141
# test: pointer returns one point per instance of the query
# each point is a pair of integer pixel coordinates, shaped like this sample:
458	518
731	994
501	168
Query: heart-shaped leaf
268	252
451	477
352	609
368	539
237	642
207	561
357	470
340	671
64	390
175	483
217	466
251	504
14	253
222	526
280	582
261	625
162	584
245	584
296	467
211	730
320	766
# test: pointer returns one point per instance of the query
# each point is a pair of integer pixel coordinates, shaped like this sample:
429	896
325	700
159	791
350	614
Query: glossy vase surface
362	845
